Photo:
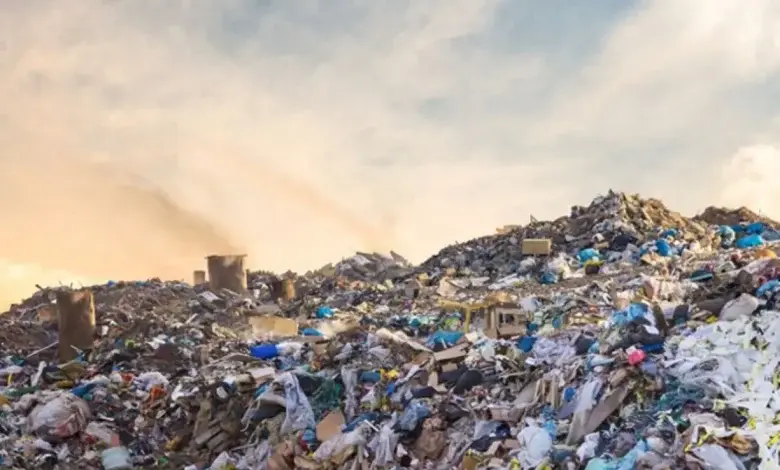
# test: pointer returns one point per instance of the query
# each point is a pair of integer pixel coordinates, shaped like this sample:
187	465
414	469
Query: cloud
138	136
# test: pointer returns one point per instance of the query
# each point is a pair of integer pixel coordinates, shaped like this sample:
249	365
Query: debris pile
723	216
612	222
623	336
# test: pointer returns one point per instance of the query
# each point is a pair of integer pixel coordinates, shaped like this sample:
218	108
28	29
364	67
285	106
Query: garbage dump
623	336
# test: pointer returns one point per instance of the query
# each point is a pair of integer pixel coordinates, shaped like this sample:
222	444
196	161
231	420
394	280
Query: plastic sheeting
721	359
299	413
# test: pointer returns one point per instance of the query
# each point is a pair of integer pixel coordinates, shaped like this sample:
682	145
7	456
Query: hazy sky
137	136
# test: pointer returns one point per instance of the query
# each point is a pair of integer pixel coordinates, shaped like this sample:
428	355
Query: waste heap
613	222
662	353
723	216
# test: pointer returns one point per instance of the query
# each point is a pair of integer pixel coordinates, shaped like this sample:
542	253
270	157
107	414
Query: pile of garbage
723	216
662	352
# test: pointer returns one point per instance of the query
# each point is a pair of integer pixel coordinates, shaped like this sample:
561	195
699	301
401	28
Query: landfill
622	336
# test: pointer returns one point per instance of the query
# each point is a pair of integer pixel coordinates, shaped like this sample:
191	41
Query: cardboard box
537	246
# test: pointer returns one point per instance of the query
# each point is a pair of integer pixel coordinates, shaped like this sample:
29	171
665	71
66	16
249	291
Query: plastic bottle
116	458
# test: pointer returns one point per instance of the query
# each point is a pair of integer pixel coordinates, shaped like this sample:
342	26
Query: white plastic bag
59	418
340	442
299	413
384	445
536	444
350	379
587	450
742	306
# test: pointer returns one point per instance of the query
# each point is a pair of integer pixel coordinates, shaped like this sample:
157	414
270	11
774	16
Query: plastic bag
628	462
59	418
147	380
256	457
350	379
718	458
299	413
536	443
663	247
751	241
601	464
340	442
384	445
587	450
412	415
484	428
446	338
588	254
743	305
560	267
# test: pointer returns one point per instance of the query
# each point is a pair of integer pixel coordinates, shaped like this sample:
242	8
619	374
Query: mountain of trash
623	336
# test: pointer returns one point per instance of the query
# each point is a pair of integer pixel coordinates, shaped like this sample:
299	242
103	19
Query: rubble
621	336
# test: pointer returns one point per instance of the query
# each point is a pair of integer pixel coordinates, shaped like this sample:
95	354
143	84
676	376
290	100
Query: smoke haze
137	137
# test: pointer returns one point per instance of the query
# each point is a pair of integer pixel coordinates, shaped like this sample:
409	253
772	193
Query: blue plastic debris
750	241
756	228
663	247
588	254
370	376
323	311
669	233
445	338
767	287
634	311
548	278
264	351
526	343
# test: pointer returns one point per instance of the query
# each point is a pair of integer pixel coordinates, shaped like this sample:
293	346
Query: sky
137	137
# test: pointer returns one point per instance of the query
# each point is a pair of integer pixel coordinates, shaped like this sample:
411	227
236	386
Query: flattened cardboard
274	326
330	425
451	354
511	330
537	246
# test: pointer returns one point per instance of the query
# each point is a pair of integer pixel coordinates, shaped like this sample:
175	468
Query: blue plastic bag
526	343
323	311
767	287
548	278
750	241
663	247
634	311
756	228
414	413
447	338
588	254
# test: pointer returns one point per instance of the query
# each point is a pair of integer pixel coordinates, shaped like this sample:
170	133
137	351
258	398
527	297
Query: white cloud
750	178
303	130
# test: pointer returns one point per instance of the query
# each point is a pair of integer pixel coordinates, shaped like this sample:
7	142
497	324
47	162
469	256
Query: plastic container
116	458
264	351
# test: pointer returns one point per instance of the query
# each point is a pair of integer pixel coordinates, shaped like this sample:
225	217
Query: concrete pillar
76	317
227	272
198	277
